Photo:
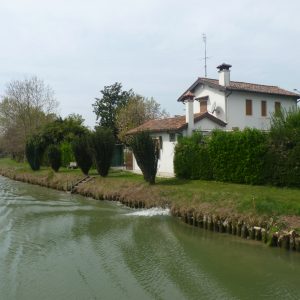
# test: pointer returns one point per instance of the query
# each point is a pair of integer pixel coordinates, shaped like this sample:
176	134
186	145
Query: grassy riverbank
254	204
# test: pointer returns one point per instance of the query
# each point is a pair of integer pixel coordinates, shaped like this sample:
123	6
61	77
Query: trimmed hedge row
238	156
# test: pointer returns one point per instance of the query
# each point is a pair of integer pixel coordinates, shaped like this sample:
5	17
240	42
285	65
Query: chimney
188	99
224	74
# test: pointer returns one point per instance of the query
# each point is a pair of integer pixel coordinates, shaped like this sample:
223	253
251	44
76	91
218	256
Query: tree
137	111
27	105
102	143
54	157
80	146
106	107
146	152
34	151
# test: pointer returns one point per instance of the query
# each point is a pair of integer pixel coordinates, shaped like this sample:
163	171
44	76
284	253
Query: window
203	106
172	137
277	107
263	108
248	107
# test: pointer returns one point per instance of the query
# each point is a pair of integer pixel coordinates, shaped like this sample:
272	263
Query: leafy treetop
106	107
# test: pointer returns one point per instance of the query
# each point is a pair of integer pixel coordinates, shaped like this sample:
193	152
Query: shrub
102	143
146	153
34	152
283	164
191	159
82	153
54	157
67	154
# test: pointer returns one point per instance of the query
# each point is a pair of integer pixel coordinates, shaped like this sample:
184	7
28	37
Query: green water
55	245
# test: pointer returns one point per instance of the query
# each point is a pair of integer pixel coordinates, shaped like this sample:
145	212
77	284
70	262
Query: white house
216	104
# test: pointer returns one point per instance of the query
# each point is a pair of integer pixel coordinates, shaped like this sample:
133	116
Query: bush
54	157
238	156
191	159
82	153
146	153
283	163
34	152
102	144
67	154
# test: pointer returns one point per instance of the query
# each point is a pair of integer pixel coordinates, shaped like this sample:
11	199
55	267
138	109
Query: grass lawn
246	199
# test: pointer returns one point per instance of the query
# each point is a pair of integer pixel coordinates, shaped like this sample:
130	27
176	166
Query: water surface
54	245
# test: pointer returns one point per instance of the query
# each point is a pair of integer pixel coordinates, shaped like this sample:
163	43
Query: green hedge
238	156
191	160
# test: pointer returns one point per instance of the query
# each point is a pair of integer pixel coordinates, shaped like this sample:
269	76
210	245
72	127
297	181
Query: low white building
216	104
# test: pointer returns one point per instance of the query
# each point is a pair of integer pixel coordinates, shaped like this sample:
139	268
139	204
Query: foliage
146	153
67	154
113	98
101	144
26	106
137	111
80	146
283	163
191	159
54	157
61	130
34	151
238	156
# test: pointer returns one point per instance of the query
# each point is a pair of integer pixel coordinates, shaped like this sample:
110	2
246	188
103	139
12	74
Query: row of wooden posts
289	240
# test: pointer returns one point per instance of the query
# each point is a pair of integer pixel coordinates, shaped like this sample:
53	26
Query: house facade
216	104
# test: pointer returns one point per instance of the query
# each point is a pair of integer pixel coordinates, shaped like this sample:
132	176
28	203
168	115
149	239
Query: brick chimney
224	74
188	99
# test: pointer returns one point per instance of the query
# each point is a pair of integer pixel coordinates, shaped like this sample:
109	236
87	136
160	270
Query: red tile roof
243	87
173	124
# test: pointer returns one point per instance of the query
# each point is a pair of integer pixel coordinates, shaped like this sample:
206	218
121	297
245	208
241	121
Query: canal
54	245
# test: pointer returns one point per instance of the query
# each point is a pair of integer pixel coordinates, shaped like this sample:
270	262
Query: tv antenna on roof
205	57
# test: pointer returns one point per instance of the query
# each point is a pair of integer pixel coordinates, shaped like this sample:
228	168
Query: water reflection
57	246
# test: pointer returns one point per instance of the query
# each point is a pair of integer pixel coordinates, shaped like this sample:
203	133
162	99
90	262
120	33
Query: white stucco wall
236	113
215	96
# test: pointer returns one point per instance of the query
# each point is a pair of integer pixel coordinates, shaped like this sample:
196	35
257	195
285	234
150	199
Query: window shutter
264	108
203	106
248	107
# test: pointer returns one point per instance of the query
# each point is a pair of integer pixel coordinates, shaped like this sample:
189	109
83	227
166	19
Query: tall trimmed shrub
82	154
54	157
102	143
146	152
34	151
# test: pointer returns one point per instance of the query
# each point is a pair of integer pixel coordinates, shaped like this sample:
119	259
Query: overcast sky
154	47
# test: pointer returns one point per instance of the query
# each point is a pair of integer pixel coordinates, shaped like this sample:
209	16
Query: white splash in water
155	211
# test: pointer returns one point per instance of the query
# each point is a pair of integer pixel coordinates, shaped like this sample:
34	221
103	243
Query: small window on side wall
172	137
248	107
